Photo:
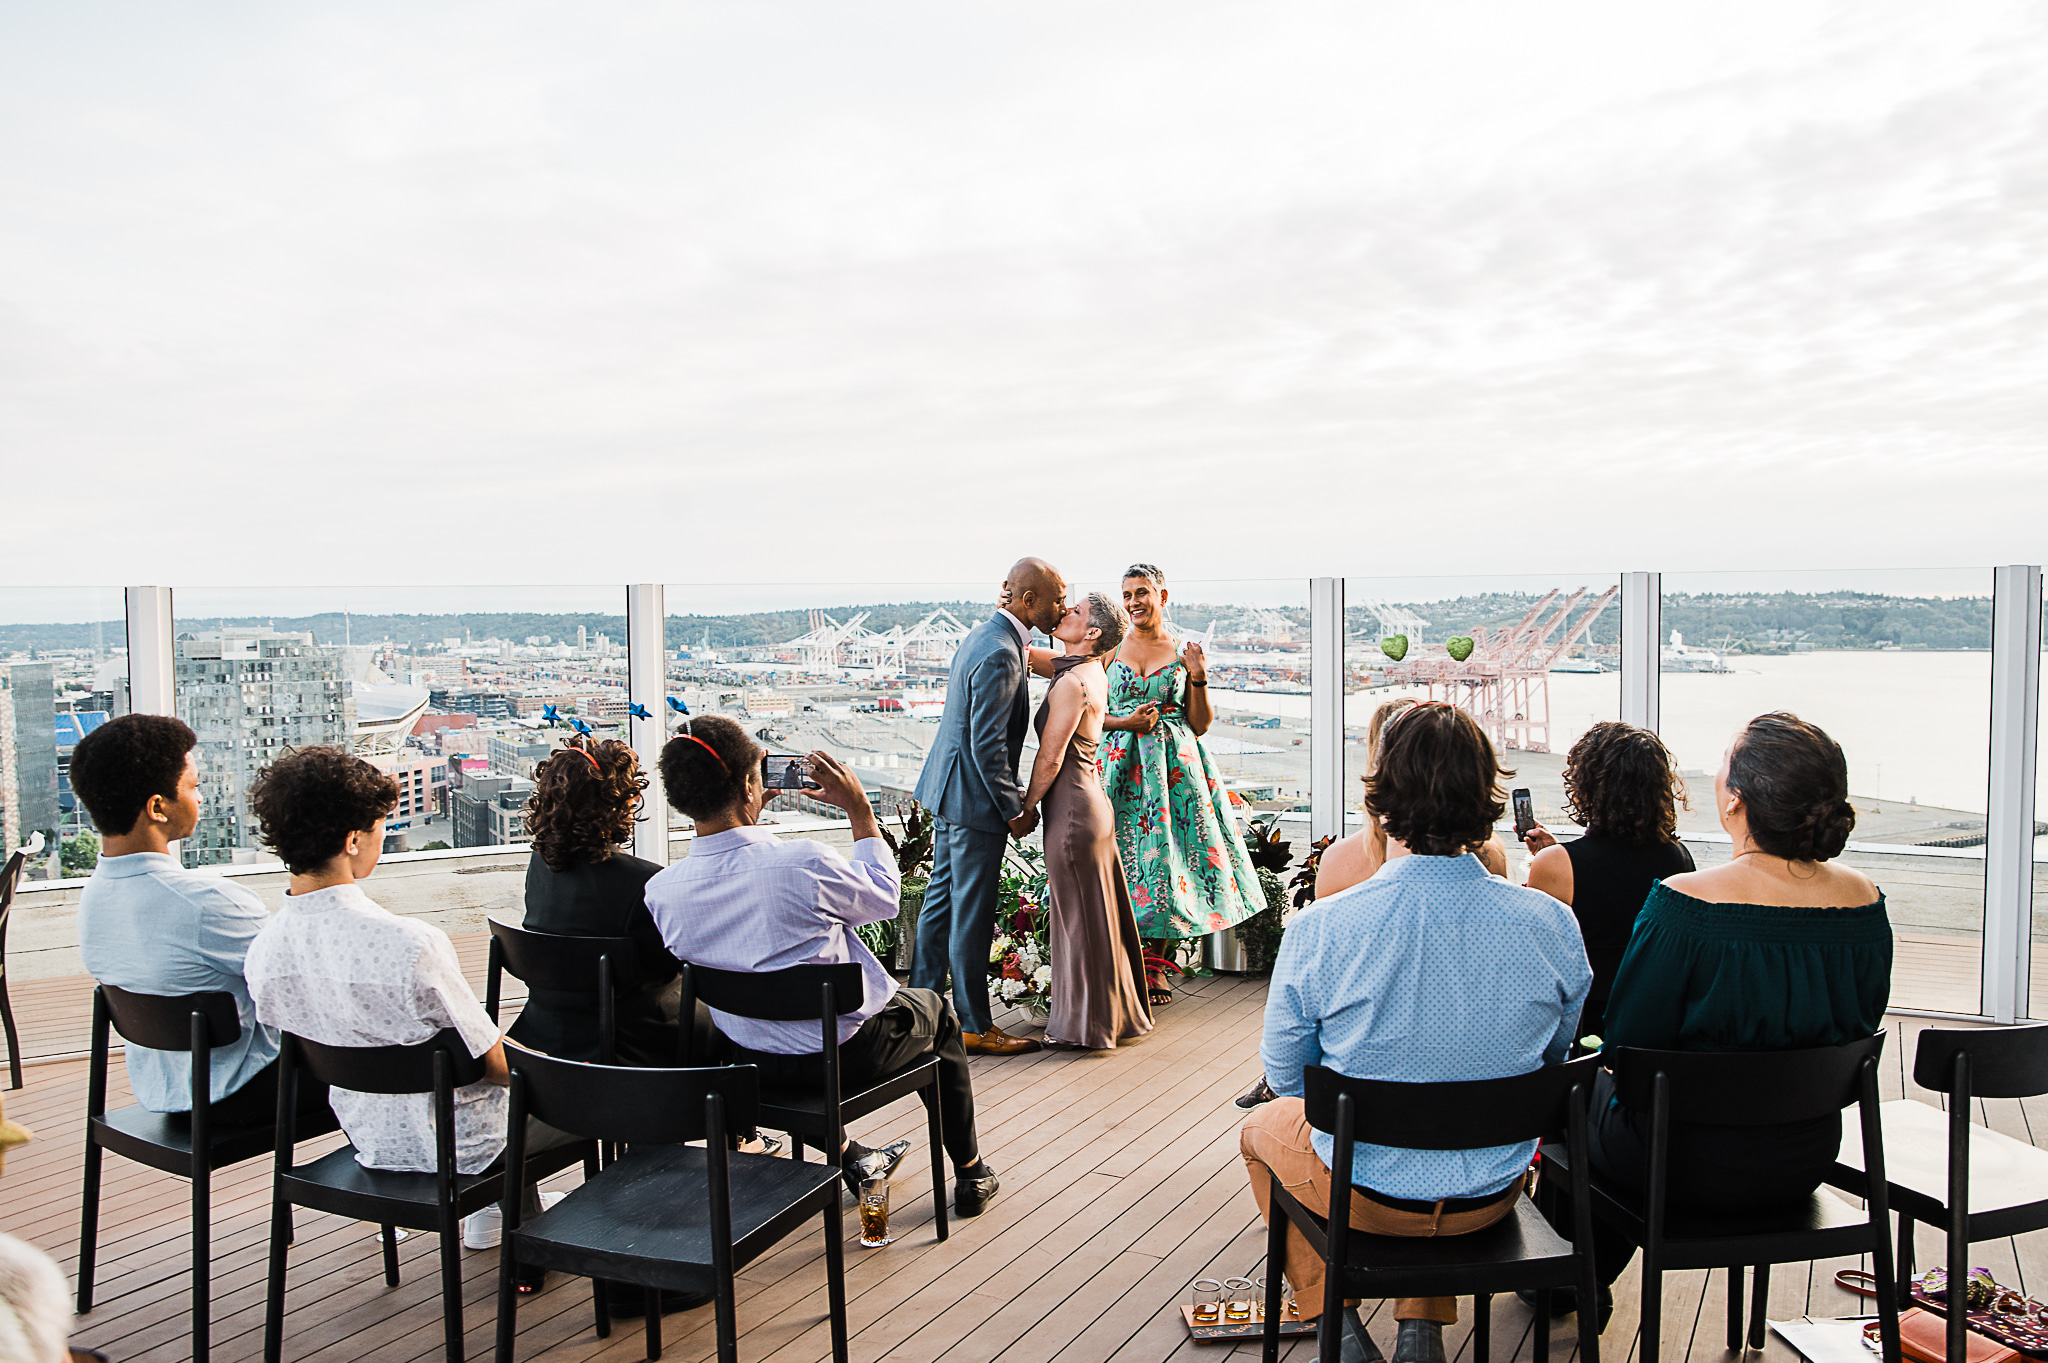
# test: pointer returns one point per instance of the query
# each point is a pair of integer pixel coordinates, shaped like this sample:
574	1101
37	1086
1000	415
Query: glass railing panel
456	691
63	673
1541	669
2037	975
1896	666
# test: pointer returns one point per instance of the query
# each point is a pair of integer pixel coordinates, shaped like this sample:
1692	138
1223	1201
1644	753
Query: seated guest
578	883
1778	950
1433	970
1620	785
746	900
337	968
148	925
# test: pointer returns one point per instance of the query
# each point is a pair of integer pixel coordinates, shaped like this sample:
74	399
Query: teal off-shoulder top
1699	976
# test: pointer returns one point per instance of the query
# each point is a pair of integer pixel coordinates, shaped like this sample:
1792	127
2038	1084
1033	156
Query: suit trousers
958	919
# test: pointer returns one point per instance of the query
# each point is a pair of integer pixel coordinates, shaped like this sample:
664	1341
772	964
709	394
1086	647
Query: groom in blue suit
970	785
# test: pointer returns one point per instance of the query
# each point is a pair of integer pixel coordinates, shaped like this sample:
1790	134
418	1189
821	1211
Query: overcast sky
467	293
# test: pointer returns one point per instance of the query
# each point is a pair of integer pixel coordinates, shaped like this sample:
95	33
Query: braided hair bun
704	769
1795	783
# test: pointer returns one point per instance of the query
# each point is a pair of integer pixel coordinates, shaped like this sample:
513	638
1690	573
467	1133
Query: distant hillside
1741	622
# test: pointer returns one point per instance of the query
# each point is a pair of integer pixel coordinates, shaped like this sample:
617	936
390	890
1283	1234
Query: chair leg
508	1298
796	1147
1652	1328
202	1256
835	1274
933	1124
390	1237
1759	1303
727	1318
1734	1306
451	1284
601	1309
13	1039
1542	1350
1482	1325
654	1323
89	1221
1905	1298
1276	1252
273	1310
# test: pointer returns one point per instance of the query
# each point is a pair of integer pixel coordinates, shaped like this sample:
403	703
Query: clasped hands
1022	825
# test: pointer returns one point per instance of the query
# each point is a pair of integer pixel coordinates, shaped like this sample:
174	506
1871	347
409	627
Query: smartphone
785	773
1525	812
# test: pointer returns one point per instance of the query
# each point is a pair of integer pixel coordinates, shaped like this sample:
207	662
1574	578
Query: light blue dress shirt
747	900
1432	970
148	925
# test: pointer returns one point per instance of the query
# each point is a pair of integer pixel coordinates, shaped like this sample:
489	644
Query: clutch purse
1923	1337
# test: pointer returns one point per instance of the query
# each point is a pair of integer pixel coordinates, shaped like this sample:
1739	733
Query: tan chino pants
1275	1144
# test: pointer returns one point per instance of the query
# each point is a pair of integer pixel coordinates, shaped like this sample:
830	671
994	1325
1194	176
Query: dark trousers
913	1024
958	919
255	1102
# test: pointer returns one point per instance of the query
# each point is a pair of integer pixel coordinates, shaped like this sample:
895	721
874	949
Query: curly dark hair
311	799
704	770
1795	782
583	802
1619	782
118	766
1437	786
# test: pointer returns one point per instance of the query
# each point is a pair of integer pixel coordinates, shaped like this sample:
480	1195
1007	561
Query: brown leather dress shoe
996	1041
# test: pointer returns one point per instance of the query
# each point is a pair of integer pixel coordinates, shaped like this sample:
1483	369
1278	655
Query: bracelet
1193	682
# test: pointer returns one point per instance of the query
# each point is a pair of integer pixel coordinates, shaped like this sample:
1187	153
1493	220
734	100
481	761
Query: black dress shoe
971	1195
860	1164
1358	1346
1421	1341
1258	1093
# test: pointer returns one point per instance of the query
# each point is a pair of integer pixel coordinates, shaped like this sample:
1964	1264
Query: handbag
1923	1337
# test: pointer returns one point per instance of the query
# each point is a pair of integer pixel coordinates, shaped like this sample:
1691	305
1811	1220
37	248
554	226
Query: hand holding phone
779	773
1525	811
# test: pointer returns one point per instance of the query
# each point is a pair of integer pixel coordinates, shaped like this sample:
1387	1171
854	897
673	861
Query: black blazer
599	899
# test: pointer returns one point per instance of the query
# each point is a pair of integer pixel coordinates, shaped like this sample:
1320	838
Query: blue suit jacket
970	775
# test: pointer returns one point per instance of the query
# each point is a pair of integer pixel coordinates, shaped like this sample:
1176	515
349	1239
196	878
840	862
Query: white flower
1041	978
1011	989
999	948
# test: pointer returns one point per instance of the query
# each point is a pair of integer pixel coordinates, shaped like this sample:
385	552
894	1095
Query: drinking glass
1237	1305
1208	1301
874	1214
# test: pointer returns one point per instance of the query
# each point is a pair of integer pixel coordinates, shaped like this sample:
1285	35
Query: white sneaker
483	1230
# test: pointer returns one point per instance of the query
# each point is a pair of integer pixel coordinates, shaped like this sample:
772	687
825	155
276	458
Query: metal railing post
1642	615
2009	820
647	687
152	652
1326	708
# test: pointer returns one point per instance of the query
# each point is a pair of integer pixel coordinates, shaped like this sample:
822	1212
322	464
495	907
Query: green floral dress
1182	854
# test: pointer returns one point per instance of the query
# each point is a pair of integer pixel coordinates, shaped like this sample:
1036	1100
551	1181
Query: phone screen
1525	811
784	773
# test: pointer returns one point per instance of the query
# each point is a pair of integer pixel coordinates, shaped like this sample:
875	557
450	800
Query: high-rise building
250	693
489	811
28	756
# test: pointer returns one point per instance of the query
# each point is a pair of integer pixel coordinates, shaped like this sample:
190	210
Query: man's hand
1021	826
1537	838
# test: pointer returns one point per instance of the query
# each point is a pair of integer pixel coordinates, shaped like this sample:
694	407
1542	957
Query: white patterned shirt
336	968
746	900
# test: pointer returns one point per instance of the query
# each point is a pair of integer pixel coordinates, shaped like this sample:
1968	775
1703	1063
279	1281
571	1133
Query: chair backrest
633	1105
163	1022
1745	1088
1458	1115
9	878
391	1069
2004	1062
547	960
792	994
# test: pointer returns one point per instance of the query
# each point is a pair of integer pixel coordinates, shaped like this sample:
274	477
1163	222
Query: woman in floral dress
1181	849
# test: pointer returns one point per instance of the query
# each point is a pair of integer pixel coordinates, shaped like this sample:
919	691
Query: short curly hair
584	799
311	799
118	766
704	770
1437	786
1619	782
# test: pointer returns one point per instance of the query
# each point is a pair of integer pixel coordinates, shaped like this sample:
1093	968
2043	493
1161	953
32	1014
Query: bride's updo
1107	614
1795	782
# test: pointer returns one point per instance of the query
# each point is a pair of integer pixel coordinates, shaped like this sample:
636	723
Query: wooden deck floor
1121	1184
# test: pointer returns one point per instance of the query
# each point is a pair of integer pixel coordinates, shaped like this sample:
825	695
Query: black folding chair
9	878
665	1215
1942	1169
824	992
193	1024
1745	1089
1520	1251
575	965
336	1183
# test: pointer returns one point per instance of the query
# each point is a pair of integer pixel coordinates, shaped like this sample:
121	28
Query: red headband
707	748
595	769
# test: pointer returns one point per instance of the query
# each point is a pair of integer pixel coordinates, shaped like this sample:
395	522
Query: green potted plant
893	938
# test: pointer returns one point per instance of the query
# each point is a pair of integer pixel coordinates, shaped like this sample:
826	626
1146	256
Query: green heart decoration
1395	647
1460	648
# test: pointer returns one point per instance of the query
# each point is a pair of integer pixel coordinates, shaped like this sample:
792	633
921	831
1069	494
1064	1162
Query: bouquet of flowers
1019	959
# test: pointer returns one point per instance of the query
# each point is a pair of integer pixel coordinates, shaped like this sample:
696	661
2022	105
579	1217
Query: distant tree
80	854
435	846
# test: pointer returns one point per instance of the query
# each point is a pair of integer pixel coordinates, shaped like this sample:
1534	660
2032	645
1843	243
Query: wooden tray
1243	1329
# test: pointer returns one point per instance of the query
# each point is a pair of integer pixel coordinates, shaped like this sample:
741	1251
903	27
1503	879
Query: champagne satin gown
1098	964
